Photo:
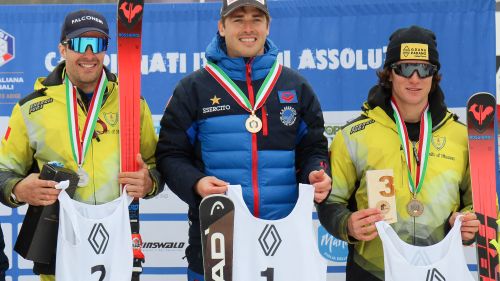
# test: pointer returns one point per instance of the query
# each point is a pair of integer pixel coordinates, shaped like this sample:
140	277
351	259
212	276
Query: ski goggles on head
80	44
407	69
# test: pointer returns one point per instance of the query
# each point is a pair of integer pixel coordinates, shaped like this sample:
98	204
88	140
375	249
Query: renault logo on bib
269	240
99	238
434	275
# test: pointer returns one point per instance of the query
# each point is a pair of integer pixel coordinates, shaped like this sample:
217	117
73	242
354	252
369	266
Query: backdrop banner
338	45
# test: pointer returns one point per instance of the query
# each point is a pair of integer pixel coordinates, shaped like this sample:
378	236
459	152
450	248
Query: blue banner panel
338	45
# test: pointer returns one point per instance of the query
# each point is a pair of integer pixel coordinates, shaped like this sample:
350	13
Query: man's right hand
210	185
361	224
35	191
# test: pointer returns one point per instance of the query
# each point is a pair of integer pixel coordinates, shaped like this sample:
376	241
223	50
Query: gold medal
415	208
83	177
253	124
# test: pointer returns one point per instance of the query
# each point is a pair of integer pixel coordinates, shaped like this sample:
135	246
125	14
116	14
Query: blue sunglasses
80	44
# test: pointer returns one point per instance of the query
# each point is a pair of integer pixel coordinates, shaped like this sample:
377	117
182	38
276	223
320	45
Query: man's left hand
470	225
322	184
139	183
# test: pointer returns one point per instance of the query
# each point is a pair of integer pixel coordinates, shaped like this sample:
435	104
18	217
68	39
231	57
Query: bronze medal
253	124
415	208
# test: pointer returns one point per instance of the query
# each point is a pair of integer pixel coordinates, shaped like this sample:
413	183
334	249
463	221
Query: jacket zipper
255	182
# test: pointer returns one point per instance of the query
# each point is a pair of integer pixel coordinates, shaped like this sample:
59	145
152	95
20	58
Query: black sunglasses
406	70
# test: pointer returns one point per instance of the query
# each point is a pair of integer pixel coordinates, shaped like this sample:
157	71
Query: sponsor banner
164	248
331	248
340	64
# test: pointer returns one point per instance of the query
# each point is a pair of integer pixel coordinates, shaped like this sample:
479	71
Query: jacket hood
216	52
381	98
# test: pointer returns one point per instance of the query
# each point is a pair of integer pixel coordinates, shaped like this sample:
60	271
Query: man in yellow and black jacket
373	142
40	129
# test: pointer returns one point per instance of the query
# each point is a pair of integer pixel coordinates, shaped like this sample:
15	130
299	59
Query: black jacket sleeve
175	154
4	262
312	150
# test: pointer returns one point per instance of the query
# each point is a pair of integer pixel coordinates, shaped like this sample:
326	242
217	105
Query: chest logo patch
287	96
288	115
438	142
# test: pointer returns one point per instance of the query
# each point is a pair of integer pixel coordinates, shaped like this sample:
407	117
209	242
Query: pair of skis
129	26
483	157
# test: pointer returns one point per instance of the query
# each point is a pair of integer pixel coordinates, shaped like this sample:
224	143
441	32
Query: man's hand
35	191
139	183
361	224
210	185
322	184
470	225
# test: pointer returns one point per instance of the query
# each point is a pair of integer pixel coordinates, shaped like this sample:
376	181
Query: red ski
129	78
481	118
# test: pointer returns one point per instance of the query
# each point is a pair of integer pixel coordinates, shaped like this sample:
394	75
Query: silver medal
83	177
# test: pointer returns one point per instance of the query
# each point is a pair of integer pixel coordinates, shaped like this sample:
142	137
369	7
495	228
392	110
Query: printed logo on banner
7	47
287	96
163	245
330	247
330	131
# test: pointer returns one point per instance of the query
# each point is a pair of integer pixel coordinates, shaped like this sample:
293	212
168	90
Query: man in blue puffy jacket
244	119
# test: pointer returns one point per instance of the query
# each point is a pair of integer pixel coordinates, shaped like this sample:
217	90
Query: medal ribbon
79	146
237	94
423	149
